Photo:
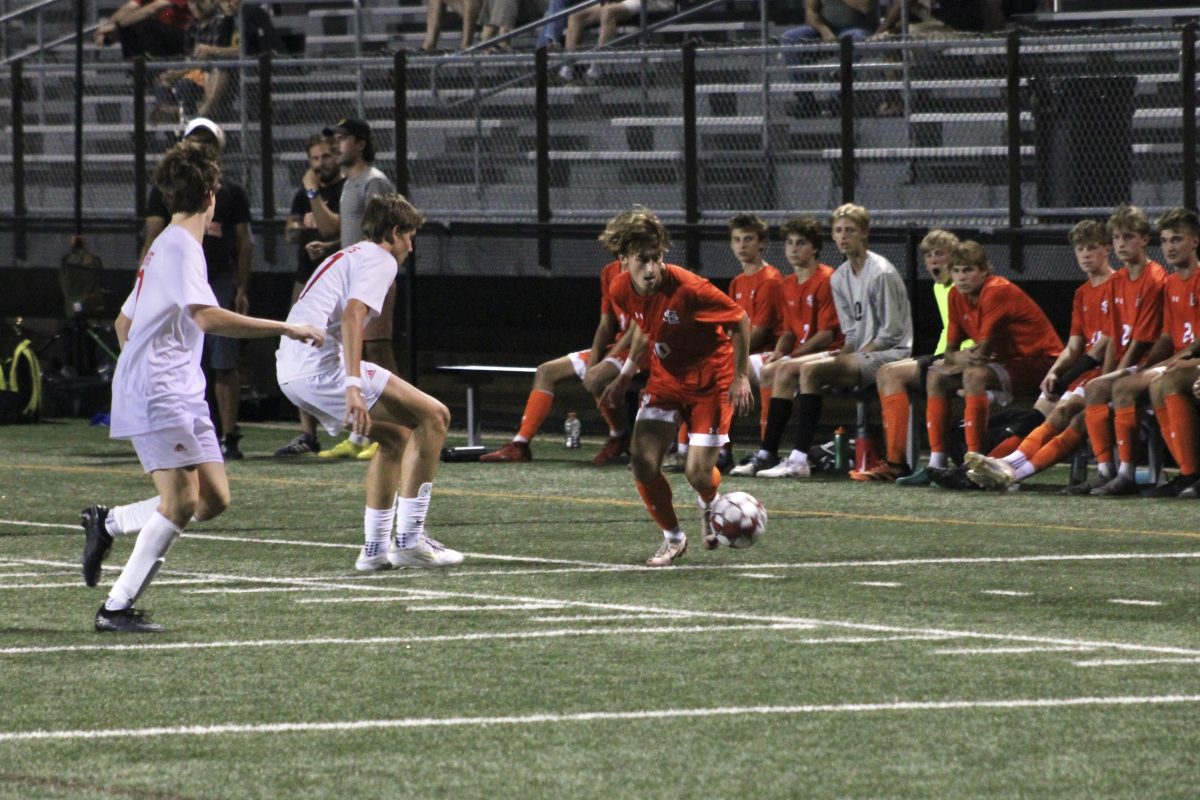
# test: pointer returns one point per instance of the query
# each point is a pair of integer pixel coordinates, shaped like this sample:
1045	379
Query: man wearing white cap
228	250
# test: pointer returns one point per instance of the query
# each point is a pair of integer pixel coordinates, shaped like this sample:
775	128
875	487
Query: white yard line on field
1134	662
1121	602
882	584
599	716
1003	651
1006	593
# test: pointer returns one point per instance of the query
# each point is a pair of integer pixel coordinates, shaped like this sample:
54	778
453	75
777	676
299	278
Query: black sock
808	409
778	414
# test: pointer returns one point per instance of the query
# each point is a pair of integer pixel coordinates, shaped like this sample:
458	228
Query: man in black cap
355	151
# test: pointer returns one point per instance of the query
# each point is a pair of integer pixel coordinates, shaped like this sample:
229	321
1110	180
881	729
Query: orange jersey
684	322
607	275
1137	307
807	308
1006	318
1181	313
1090	312
754	294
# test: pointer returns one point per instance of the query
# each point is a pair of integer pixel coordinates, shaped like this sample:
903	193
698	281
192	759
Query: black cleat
96	542
127	620
1173	487
725	458
229	445
951	478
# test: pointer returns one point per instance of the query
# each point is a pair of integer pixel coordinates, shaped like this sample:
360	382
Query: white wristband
629	368
350	380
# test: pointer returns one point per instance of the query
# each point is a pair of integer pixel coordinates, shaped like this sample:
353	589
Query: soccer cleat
343	449
1175	487
303	444
97	541
753	464
368	452
229	446
989	473
428	553
373	557
510	453
884	471
127	620
786	469
1120	486
954	478
667	552
1086	487
615	449
918	478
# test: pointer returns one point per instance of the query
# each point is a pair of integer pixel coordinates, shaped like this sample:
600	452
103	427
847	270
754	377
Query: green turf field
879	642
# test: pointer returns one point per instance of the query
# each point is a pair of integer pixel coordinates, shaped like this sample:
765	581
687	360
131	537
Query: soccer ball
738	520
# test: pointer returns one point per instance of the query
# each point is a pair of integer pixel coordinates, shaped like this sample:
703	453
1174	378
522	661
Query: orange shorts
708	416
1078	384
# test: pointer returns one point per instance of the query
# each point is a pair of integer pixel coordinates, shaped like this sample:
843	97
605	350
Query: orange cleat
613	452
511	452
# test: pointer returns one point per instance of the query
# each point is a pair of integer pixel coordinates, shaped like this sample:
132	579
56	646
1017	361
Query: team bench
474	376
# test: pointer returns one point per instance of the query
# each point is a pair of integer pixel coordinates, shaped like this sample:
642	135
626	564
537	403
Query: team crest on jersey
671	317
662	350
1103	306
370	373
179	448
809	300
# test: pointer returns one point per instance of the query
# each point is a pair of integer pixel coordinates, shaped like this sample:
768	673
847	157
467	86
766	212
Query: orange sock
975	421
1037	439
657	497
1100	432
612	416
895	425
935	423
1056	449
1005	447
708	494
537	408
683	434
1182	413
1166	423
1125	428
764	394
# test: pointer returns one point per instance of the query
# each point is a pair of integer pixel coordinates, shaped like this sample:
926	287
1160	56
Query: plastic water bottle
840	450
571	431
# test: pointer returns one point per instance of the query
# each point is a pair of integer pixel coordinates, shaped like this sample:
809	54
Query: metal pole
139	139
1187	85
20	245
400	144
691	158
541	63
266	148
1013	103
78	117
847	76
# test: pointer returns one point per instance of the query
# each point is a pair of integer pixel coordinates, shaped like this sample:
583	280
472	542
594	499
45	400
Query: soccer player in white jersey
337	387
158	390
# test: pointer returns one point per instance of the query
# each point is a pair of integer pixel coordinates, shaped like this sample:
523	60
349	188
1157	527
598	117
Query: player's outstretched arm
223	322
740	394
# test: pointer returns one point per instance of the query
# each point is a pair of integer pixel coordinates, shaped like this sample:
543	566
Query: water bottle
840	450
571	431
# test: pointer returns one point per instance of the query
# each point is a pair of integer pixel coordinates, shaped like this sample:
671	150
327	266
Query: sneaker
614	451
97	541
667	552
753	464
513	451
373	557
343	449
675	462
1175	487
954	478
884	471
303	444
786	469
428	553
1120	486
127	620
1086	487
989	473
229	446
918	478
725	458
368	452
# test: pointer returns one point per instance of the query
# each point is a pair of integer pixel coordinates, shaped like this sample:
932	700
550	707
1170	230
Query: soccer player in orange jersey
804	303
695	338
1015	345
1174	352
1136	300
595	368
1063	430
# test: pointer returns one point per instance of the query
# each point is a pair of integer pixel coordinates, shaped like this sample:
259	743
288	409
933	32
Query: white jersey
872	306
363	272
158	384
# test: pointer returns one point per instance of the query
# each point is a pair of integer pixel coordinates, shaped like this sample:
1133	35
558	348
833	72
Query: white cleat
372	558
990	473
429	553
786	469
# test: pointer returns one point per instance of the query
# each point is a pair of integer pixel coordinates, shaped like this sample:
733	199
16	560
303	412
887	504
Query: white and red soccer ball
738	520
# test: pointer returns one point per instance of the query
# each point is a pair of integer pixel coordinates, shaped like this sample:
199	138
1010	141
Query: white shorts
869	363
324	396
756	365
579	362
175	448
634	7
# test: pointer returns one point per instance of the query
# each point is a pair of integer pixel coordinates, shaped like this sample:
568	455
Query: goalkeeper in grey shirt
874	313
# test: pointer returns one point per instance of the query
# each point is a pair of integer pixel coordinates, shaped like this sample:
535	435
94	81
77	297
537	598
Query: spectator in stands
258	31
875	317
313	217
214	35
551	34
355	147
148	27
830	20
467	9
934	18
607	16
227	251
501	16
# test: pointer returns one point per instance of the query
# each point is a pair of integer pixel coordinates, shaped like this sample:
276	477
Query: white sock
797	457
682	449
937	460
377	527
763	455
1106	470
359	440
410	517
148	554
1024	471
1015	459
1127	469
131	518
674	537
520	438
614	434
